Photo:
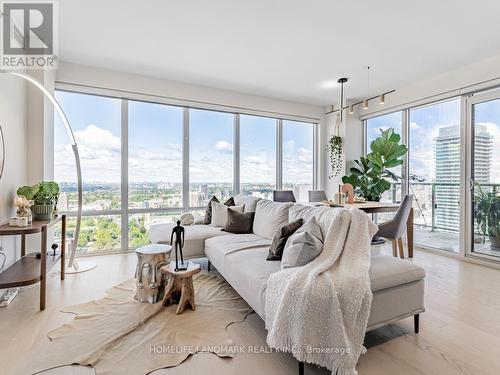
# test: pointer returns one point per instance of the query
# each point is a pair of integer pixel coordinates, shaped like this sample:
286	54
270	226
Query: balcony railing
436	204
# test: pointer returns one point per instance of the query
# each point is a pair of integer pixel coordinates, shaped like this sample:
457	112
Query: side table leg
169	291
187	296
43	268
23	245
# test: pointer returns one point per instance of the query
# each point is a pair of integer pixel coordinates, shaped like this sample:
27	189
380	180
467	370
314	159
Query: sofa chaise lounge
397	284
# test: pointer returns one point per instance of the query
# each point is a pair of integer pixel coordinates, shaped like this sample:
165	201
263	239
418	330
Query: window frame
186	105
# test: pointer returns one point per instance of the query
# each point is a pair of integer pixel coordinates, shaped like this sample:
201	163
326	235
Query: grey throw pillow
280	238
238	222
208	211
303	246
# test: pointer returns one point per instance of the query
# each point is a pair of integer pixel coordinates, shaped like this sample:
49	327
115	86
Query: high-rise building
447	157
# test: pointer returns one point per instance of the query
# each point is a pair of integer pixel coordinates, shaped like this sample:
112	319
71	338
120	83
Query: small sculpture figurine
179	244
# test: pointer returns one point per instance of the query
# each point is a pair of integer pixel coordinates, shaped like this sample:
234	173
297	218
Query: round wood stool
179	287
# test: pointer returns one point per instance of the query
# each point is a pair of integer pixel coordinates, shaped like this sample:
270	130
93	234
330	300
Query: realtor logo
29	38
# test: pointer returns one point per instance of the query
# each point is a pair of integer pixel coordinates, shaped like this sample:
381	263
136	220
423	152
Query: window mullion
124	175
185	160
236	154
279	154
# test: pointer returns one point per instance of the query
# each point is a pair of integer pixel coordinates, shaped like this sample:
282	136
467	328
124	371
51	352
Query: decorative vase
43	211
495	242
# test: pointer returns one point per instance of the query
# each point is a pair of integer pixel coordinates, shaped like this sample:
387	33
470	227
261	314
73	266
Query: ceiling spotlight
351	110
365	104
382	99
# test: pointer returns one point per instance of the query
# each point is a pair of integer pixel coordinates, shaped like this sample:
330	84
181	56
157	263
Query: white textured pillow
270	217
219	213
303	246
249	202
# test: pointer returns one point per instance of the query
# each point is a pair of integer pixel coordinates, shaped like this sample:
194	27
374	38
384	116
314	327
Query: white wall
13	122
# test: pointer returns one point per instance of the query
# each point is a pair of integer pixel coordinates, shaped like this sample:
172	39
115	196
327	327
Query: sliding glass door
484	182
434	173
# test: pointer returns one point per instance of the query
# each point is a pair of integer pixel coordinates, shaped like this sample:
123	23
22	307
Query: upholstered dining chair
283	196
317	196
394	229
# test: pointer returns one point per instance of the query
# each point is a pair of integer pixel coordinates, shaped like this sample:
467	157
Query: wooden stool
179	287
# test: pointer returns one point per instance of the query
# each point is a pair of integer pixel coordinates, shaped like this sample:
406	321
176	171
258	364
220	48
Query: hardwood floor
459	332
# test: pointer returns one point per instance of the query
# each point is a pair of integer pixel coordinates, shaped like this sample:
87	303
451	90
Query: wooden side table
180	288
29	269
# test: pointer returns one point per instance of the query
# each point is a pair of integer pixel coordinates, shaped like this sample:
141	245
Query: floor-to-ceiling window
211	156
137	157
155	135
98	132
485	174
298	158
434	173
257	156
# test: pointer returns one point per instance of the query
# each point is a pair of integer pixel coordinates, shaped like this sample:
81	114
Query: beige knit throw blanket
319	312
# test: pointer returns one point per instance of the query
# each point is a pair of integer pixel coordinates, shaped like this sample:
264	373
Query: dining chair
317	196
394	229
283	196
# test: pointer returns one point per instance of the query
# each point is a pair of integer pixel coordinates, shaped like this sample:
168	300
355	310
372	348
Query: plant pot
495	242
43	211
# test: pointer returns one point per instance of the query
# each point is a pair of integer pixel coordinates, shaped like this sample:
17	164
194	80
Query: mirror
2	152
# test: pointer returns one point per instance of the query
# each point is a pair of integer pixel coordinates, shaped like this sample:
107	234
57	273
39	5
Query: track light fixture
382	99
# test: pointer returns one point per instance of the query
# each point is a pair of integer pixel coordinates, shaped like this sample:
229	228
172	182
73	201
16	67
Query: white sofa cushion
217	248
248	271
219	213
269	217
247	200
194	235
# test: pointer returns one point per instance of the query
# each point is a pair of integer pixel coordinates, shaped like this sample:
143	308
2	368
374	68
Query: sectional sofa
397	284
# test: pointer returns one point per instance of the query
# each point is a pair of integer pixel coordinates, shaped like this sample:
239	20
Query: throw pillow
269	217
249	201
279	241
238	222
303	246
219	213
208	211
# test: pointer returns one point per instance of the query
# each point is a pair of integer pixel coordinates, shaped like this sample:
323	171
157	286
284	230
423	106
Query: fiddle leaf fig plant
370	175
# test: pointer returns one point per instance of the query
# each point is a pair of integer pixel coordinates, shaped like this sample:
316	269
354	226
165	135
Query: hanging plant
335	149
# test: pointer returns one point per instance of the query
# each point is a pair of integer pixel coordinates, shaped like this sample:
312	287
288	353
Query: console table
29	269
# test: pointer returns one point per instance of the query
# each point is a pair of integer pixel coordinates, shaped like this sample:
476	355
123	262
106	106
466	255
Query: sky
424	128
155	144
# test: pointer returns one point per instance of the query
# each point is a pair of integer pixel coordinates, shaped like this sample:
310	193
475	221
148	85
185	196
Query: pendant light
342	97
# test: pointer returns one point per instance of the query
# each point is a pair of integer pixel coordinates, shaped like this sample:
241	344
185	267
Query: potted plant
369	177
487	214
44	195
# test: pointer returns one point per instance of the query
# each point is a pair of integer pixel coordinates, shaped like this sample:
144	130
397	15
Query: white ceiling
281	48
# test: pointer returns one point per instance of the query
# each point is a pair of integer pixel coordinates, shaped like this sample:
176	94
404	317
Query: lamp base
79	267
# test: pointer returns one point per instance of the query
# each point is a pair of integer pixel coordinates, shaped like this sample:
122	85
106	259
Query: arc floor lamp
73	266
